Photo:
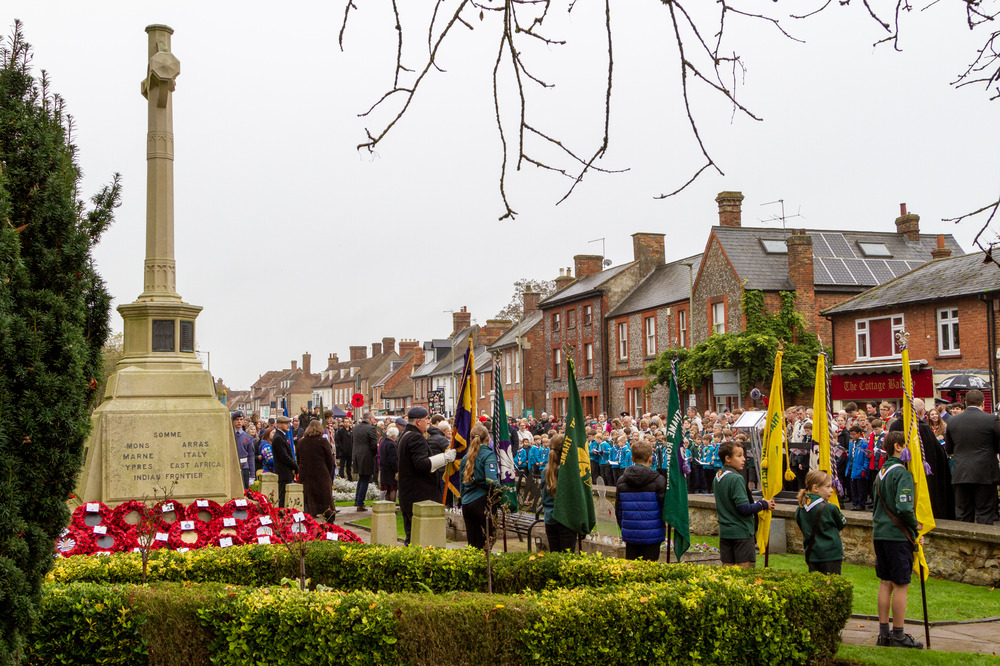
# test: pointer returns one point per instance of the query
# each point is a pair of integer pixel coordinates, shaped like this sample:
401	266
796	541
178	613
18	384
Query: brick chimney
307	363
940	252
564	279
388	345
376	349
330	362
908	224
358	352
730	208
800	273
531	299
418	356
406	346
587	264
295	365
460	320
492	331
648	250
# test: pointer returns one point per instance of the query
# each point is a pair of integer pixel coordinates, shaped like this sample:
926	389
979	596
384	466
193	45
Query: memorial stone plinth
160	421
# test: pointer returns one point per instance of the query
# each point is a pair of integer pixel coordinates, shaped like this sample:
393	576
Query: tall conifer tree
54	313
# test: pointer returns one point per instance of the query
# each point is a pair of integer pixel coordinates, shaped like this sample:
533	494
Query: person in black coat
388	463
939	482
284	462
417	479
973	438
344	446
365	447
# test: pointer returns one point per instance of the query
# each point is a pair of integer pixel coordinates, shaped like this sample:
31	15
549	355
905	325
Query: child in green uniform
734	508
894	529
820	523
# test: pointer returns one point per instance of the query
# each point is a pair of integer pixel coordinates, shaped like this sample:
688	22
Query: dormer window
774	246
874	249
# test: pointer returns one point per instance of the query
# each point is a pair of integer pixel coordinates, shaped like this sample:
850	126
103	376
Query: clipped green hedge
710	615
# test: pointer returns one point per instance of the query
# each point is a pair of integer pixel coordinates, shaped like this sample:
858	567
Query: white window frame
862	331
588	359
650	334
507	368
517	367
682	328
948	330
557	365
588	315
719	317
623	341
556	321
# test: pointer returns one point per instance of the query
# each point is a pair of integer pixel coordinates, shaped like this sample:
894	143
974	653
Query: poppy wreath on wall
133	540
190	535
297	526
75	541
91	514
168	512
260	498
260	529
123	515
331	532
223	527
241	509
203	511
109	539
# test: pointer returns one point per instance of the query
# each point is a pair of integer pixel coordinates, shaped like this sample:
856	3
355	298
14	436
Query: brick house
522	363
575	315
273	388
434	382
950	309
822	267
342	379
393	393
653	317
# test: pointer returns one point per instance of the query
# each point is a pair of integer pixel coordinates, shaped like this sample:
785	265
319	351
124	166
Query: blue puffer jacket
639	505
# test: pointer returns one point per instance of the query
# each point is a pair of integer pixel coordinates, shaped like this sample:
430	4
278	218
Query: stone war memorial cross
160	420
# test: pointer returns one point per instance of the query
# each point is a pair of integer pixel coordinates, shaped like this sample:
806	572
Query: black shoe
883	641
906	642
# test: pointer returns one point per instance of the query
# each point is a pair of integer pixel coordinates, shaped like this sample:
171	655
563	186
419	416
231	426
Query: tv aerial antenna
605	262
775	218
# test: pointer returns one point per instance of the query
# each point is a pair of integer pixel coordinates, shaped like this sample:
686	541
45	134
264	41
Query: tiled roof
510	336
401	390
667	284
839	260
945	278
583	286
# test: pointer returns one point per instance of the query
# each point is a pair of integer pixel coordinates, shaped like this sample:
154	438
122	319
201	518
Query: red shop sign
880	386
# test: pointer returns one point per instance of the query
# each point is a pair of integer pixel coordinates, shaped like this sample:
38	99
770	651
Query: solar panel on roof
838	271
880	270
897	266
915	264
820	247
820	274
839	245
860	271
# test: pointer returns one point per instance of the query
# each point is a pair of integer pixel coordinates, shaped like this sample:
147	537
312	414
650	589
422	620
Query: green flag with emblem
574	501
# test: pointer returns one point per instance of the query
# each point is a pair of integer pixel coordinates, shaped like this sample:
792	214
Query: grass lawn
367	522
946	600
881	656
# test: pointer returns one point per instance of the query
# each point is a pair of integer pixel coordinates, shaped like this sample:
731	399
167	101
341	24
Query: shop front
862	382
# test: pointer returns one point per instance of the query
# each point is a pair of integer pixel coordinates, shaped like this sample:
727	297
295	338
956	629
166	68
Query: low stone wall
963	552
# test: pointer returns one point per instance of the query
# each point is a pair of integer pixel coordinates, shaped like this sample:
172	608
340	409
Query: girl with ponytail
479	472
820	523
560	537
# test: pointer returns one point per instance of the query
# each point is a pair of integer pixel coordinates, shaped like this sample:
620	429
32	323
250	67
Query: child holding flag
894	529
480	477
820	522
560	537
735	511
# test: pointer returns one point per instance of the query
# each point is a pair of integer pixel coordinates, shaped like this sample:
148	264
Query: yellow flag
921	496
771	473
821	423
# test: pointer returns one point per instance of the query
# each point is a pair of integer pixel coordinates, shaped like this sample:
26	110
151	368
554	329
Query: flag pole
504	532
669	530
923	595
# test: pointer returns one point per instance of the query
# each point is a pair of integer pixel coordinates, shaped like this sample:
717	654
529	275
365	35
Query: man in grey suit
973	438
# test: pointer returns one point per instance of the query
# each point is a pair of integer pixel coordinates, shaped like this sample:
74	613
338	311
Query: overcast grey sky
293	241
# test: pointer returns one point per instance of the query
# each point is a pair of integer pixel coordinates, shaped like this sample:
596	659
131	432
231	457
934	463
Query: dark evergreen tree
54	313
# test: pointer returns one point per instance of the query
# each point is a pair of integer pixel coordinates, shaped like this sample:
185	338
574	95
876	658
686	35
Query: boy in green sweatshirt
894	530
734	509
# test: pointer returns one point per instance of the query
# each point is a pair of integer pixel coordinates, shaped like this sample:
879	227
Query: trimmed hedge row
710	616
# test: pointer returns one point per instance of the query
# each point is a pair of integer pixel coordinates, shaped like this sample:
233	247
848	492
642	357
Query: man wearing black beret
417	480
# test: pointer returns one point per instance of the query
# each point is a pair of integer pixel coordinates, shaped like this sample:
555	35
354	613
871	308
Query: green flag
675	502
501	442
574	502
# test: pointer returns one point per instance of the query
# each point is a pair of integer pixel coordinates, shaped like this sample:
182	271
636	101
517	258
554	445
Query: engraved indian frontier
160	421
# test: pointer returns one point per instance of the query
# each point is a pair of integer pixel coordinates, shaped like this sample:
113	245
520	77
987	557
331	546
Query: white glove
449	455
439	461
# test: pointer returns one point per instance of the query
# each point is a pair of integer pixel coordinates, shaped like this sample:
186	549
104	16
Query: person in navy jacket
639	505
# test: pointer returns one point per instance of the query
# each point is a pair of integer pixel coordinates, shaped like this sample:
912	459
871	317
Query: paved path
981	637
